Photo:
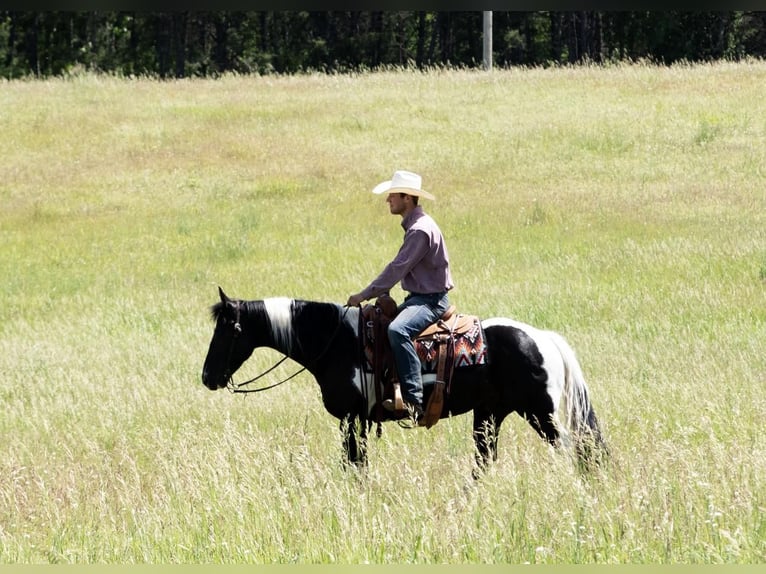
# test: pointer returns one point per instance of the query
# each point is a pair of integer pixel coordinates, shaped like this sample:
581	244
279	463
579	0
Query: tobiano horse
529	371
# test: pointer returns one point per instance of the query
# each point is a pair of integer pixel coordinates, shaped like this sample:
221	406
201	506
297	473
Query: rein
237	387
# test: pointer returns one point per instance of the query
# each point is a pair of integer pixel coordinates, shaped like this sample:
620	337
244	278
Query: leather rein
237	387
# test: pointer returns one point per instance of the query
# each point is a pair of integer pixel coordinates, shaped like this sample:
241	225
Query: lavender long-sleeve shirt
422	264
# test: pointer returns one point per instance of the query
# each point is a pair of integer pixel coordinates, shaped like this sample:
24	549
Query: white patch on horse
279	311
365	388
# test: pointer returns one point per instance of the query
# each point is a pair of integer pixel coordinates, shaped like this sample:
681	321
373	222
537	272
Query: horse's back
537	345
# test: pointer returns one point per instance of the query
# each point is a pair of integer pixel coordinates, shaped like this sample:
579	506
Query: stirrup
396	404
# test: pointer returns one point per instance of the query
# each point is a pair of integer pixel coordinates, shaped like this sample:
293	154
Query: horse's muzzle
212	383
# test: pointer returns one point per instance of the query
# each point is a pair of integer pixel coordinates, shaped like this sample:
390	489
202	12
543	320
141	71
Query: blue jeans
415	314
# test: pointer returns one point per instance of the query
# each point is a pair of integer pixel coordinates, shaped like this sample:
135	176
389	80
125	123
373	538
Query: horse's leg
486	427
354	432
543	424
591	449
585	439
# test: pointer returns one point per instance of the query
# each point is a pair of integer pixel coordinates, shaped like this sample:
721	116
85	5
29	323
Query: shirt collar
412	217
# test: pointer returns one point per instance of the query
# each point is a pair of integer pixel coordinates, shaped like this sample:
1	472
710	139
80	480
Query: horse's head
229	347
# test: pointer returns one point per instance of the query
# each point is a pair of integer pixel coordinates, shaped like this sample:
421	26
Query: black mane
216	310
249	308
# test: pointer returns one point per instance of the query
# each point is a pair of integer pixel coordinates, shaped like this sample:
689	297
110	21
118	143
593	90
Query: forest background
206	44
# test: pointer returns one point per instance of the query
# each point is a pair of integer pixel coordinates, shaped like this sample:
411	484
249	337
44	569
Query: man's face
397	203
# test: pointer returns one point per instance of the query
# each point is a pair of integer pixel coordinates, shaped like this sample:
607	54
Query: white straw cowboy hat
403	182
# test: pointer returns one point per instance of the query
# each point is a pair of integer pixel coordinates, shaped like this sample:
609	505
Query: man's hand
354	300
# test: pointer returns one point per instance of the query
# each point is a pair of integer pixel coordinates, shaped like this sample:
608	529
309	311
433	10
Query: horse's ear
224	298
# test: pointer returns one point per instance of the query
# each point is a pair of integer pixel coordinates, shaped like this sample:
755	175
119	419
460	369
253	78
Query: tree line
189	44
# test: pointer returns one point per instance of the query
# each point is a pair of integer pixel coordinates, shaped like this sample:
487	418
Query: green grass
621	206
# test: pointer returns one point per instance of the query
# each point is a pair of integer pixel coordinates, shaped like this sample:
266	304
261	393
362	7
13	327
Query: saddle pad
470	348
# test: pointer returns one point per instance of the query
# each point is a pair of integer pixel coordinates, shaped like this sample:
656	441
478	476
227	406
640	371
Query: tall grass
620	206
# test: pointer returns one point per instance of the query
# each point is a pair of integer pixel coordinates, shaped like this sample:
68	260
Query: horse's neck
315	327
299	329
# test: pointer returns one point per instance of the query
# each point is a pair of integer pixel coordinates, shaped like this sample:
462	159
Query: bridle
237	387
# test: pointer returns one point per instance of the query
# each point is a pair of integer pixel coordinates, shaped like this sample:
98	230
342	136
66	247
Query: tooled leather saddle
455	340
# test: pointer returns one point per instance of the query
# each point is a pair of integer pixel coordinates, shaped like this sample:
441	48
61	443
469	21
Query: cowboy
422	267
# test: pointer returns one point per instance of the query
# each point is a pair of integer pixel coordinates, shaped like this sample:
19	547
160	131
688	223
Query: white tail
575	402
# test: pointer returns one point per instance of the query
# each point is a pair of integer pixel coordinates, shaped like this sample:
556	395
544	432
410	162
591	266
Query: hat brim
386	187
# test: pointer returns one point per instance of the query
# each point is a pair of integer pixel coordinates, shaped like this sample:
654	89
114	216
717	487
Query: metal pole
488	40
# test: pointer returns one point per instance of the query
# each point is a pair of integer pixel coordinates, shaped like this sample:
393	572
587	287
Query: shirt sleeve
415	246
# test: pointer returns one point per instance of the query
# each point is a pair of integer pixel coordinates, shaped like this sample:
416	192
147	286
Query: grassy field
622	207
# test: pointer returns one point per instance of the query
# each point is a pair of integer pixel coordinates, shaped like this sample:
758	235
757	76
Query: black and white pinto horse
529	371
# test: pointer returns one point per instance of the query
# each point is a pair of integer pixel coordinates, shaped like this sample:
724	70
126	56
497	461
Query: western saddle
440	336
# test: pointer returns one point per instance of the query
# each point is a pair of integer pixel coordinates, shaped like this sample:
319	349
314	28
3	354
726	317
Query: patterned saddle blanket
465	335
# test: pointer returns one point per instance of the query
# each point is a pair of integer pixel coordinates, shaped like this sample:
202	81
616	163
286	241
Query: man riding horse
422	267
